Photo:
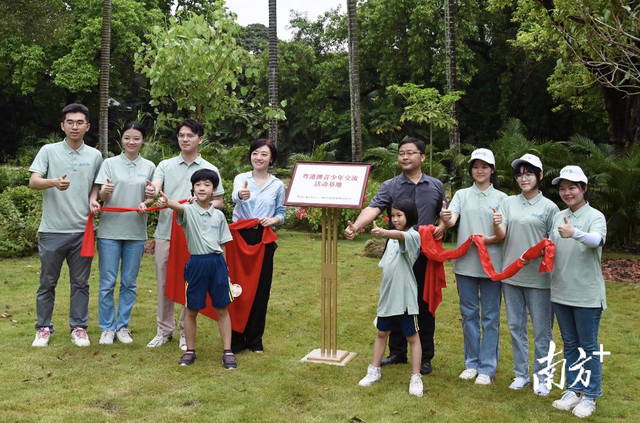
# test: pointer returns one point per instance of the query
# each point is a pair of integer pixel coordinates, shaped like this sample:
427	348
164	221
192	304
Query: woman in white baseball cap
526	219
577	289
480	297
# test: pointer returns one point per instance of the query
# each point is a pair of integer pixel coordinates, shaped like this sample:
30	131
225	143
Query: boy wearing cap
66	172
477	208
527	218
577	289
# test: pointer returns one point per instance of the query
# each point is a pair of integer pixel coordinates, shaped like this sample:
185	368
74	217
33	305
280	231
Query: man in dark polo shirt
428	194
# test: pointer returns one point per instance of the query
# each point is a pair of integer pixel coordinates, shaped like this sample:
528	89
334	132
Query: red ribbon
435	279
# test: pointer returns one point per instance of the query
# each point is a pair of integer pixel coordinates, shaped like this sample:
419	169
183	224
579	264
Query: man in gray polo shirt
173	177
66	172
428	194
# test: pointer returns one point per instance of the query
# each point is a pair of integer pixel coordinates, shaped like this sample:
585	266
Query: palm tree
105	61
354	83
273	69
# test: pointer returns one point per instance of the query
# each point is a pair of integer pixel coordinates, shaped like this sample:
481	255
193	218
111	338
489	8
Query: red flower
385	219
301	214
362	230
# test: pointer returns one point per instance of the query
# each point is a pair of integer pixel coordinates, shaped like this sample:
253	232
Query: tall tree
273	69
105	63
452	73
354	82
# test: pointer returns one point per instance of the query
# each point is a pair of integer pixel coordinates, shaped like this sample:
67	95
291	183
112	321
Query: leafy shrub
20	212
13	177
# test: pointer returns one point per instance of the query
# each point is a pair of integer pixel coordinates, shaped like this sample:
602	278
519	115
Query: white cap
527	158
571	173
484	155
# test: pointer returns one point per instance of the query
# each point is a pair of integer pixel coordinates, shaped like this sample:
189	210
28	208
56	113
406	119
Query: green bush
20	212
13	177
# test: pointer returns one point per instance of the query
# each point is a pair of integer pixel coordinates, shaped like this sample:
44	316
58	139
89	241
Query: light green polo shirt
176	176
66	211
399	289
577	278
527	222
129	179
473	208
205	230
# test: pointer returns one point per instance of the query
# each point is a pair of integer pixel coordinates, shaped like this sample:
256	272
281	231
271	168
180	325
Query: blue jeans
517	300
579	328
112	252
480	296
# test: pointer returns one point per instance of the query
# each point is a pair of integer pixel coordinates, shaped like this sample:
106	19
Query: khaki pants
166	308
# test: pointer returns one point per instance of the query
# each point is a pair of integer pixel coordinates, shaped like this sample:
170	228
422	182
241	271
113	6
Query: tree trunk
273	69
354	83
105	62
624	117
452	74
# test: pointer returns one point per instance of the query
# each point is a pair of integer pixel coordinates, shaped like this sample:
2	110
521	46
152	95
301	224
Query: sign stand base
339	359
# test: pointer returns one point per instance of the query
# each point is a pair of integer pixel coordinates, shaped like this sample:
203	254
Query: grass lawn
124	383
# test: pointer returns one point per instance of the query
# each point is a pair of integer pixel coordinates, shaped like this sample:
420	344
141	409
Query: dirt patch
150	247
624	270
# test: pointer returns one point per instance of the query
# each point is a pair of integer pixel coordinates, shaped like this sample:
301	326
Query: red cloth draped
244	262
435	279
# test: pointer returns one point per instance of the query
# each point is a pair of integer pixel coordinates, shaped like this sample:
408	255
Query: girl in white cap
479	295
526	219
577	290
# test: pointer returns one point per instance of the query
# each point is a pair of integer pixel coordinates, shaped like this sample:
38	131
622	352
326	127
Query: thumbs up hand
445	214
497	217
163	200
150	190
108	187
376	231
350	232
567	230
244	193
61	183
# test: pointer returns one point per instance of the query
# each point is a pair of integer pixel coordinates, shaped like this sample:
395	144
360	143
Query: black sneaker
187	358
229	360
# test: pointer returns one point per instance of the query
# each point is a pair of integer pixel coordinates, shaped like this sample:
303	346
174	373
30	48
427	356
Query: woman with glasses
526	219
480	297
122	236
258	195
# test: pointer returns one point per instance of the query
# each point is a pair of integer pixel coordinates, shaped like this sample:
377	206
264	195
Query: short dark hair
75	108
413	140
528	167
261	143
407	206
132	124
194	125
494	175
205	175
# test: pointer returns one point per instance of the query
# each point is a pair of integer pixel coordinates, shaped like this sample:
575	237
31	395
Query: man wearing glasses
428	194
173	177
65	172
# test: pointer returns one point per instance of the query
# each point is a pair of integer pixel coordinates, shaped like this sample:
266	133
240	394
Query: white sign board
328	184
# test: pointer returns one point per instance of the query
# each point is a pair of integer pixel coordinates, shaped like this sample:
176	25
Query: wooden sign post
331	186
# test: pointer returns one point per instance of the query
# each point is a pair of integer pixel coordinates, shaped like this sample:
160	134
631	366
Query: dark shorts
207	273
407	324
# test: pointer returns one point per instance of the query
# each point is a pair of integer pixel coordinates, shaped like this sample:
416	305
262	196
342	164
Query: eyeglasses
183	136
521	176
408	153
78	123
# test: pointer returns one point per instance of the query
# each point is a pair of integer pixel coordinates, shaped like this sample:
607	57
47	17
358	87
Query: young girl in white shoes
398	305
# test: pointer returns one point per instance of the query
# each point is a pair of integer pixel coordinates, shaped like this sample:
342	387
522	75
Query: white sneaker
542	390
107	337
468	374
183	343
42	338
519	383
124	335
415	386
483	380
79	337
585	408
159	340
373	375
567	402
